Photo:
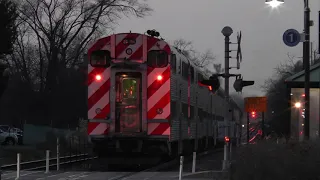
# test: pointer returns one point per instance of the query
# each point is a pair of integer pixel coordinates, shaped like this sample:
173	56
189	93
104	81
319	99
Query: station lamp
274	3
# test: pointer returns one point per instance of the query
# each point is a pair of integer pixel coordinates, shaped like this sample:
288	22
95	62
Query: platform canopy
297	80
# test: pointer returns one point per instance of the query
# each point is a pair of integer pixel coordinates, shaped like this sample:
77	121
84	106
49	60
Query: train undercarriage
134	151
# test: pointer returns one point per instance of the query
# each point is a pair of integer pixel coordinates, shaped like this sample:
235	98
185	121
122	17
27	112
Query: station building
295	91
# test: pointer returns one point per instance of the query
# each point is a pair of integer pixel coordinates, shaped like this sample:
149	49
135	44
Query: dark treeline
47	83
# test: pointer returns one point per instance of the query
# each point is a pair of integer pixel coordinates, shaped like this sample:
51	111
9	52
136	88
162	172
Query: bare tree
54	33
205	61
276	93
52	38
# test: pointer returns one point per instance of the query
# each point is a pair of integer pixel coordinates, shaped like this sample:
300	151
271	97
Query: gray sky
201	21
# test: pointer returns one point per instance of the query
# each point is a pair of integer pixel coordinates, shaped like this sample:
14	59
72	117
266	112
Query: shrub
271	161
77	142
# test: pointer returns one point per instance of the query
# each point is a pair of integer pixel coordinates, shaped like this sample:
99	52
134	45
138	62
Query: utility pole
226	31
306	64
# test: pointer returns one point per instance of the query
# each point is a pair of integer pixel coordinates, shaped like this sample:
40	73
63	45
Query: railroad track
41	164
167	164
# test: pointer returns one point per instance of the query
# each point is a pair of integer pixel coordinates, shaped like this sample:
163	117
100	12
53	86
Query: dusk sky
201	21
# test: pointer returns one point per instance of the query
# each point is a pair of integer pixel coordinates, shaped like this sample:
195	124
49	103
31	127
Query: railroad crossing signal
253	114
239	53
239	84
213	83
256	104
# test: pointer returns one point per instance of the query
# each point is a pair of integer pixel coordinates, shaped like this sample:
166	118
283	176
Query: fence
63	155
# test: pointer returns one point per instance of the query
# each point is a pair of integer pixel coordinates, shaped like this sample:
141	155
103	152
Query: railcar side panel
159	95
98	93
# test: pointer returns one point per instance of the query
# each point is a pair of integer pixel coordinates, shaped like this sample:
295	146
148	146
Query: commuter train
144	97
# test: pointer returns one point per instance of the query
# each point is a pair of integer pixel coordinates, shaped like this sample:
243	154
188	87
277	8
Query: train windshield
129	89
157	59
128	103
100	58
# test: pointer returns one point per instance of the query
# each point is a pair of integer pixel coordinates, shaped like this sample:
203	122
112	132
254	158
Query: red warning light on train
159	77
98	77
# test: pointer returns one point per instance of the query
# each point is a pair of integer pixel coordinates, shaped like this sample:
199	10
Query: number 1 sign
291	37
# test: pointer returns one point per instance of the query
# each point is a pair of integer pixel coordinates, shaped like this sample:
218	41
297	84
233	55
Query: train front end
128	94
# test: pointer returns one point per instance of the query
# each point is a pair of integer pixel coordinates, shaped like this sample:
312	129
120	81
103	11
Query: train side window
200	77
173	107
192	73
185	70
191	115
200	114
173	63
185	110
191	112
100	58
157	59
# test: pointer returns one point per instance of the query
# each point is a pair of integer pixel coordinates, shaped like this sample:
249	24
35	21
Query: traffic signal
213	83
4	78
253	114
239	84
226	139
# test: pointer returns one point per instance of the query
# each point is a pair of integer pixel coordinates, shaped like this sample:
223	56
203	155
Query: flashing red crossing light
212	83
226	139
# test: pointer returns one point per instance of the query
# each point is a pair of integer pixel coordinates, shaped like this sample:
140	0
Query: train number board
257	104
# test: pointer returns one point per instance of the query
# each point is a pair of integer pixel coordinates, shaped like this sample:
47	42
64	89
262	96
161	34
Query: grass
271	161
75	143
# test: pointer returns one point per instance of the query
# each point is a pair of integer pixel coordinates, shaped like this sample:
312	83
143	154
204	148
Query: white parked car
9	136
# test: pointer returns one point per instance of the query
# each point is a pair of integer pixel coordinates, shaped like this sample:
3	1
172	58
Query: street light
297	105
274	3
306	58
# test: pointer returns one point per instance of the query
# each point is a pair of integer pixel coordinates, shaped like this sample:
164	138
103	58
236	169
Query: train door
128	102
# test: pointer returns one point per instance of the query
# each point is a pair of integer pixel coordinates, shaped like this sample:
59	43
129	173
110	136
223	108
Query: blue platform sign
291	37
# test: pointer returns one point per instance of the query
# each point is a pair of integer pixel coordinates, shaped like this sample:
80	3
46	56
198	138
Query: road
204	163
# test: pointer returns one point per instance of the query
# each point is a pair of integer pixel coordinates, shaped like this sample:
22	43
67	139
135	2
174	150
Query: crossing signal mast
214	84
238	85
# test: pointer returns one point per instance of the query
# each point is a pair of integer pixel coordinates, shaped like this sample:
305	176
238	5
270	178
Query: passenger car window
173	63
